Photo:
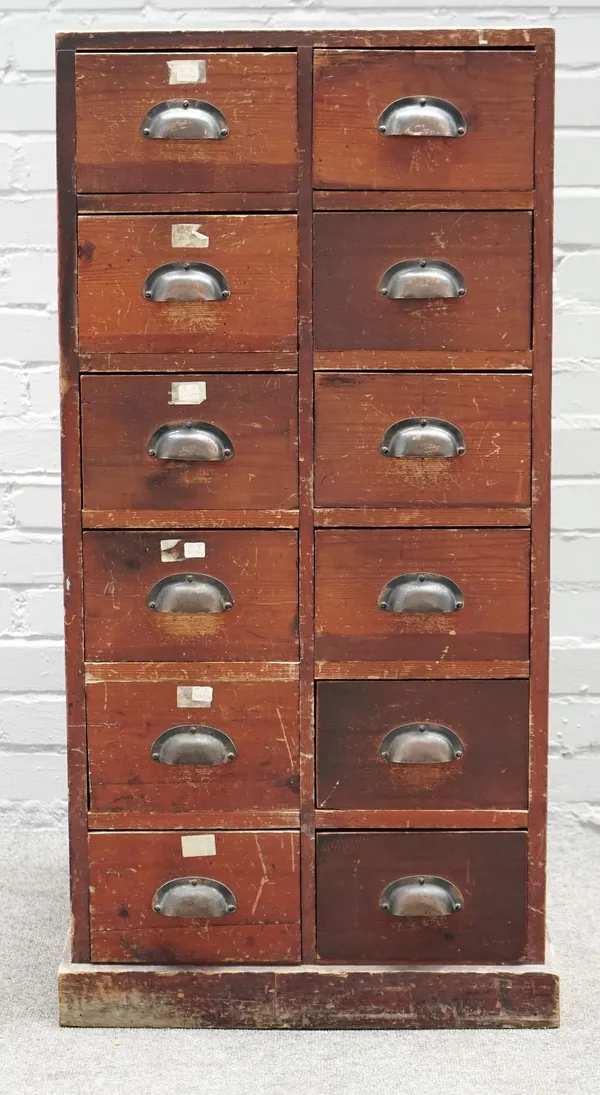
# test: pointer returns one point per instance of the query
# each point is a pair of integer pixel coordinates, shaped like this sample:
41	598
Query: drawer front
250	95
489	94
424	745
150	750
483	873
234	897
422	440
488	255
461	595
143	288
191	578
184	442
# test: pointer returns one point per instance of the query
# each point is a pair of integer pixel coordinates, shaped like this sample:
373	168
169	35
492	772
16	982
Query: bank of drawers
426	599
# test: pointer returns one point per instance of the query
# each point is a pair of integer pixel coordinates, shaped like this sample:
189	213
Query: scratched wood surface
488	717
489	870
257	255
354	411
256	92
259	415
491	568
492	251
261	869
125	720
493	91
260	569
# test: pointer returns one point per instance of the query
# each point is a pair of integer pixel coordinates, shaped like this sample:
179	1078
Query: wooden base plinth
308	997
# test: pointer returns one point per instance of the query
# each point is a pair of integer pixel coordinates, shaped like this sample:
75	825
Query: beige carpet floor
36	1056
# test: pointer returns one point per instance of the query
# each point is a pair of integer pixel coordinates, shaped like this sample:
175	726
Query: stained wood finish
260	361
259	568
255	91
380	518
488	868
353	412
256	254
421	199
493	91
529	38
126	870
491	568
206	518
125	720
492	251
489	718
409	669
209	819
120	414
427	360
191	672
188	203
414	819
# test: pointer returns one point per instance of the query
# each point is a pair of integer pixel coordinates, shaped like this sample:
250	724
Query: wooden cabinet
305	323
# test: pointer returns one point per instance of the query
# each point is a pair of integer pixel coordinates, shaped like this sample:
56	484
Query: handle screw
146	132
227	604
386	755
457	906
384	450
224	132
461	292
383	604
461	130
423	421
421	882
382	129
186	265
231	756
185	104
148	294
383	292
458	754
384	906
421	577
231	908
152	604
423	101
422	262
189	577
151	452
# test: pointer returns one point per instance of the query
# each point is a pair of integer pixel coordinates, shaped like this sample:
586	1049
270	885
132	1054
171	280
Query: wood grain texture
490	567
261	868
257	255
492	251
125	720
428	360
206	518
488	717
540	524
309	997
410	669
259	361
493	91
186	203
333	200
71	510
419	819
480	38
259	415
488	868
190	672
354	411
256	92
99	821
306	525
380	518
259	568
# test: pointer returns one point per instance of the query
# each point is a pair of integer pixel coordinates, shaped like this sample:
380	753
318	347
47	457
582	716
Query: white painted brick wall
32	763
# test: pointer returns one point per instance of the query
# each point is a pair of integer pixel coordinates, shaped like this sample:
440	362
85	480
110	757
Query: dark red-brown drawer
430	597
422	745
430	441
145	286
423	119
422	281
192	122
191	596
216	442
194	897
153	747
421	897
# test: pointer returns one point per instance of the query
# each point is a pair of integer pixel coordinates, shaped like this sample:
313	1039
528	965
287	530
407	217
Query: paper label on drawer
187	72
204	844
195	550
194	695
188	392
188	235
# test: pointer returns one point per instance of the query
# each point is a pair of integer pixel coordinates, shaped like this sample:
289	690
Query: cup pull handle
197	746
186	281
422	279
421	743
194	898
190	442
421	116
421	593
423	437
421	895
189	593
185	120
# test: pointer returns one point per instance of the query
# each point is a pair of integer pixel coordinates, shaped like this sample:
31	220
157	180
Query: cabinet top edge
479	38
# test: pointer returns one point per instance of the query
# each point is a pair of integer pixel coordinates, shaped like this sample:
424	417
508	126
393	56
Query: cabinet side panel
71	490
540	523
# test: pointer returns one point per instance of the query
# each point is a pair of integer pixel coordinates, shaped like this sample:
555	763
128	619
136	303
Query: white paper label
194	695
205	844
187	72
188	235
188	392
169	551
194	551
